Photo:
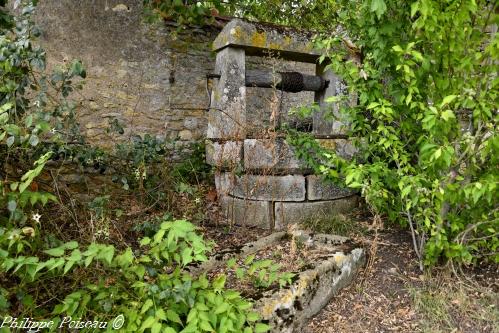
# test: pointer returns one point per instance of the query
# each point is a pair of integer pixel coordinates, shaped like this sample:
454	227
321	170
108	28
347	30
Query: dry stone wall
150	77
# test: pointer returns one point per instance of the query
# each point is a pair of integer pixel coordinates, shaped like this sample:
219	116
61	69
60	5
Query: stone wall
150	77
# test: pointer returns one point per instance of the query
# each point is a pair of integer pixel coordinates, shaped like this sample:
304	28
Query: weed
449	305
334	224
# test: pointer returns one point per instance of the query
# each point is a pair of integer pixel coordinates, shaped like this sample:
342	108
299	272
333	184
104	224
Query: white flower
36	217
363	74
53	131
197	200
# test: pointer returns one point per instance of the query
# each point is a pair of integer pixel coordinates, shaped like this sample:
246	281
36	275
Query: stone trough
287	310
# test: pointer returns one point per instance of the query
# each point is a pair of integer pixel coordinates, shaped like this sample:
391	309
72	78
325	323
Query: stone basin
288	309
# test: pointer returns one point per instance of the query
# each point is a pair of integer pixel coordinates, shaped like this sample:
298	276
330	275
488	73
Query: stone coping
257	39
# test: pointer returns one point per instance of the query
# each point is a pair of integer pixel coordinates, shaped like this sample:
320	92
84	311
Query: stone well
259	180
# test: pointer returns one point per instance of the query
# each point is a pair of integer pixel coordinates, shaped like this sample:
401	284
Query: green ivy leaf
169	330
206	326
145	241
253	316
447	100
68	266
71	245
147	305
125	259
249	259
33	140
107	254
147	323
222	308
11	205
448	114
156	328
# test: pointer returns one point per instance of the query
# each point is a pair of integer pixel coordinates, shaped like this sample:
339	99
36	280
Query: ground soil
391	294
378	300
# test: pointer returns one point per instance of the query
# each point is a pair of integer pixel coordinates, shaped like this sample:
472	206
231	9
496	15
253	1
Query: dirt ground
390	294
378	300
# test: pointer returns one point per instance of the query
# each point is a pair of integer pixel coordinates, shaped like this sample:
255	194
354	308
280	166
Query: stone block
288	310
299	212
343	147
185	135
273	155
224	155
247	212
318	189
263	187
257	38
223	183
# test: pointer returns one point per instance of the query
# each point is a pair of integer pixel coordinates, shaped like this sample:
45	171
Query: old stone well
259	180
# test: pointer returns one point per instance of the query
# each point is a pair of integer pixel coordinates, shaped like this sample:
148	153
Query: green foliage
337	225
313	15
260	273
150	227
193	167
184	12
35	114
43	277
16	231
149	286
424	74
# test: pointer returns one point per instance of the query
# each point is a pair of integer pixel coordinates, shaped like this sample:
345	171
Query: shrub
424	74
43	277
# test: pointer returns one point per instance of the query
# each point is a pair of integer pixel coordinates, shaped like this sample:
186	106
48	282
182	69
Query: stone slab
255	38
263	187
299	212
247	212
318	189
224	155
273	155
222	183
289	309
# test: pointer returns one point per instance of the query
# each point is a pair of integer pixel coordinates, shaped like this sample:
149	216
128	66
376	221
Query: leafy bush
424	74
149	286
45	278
